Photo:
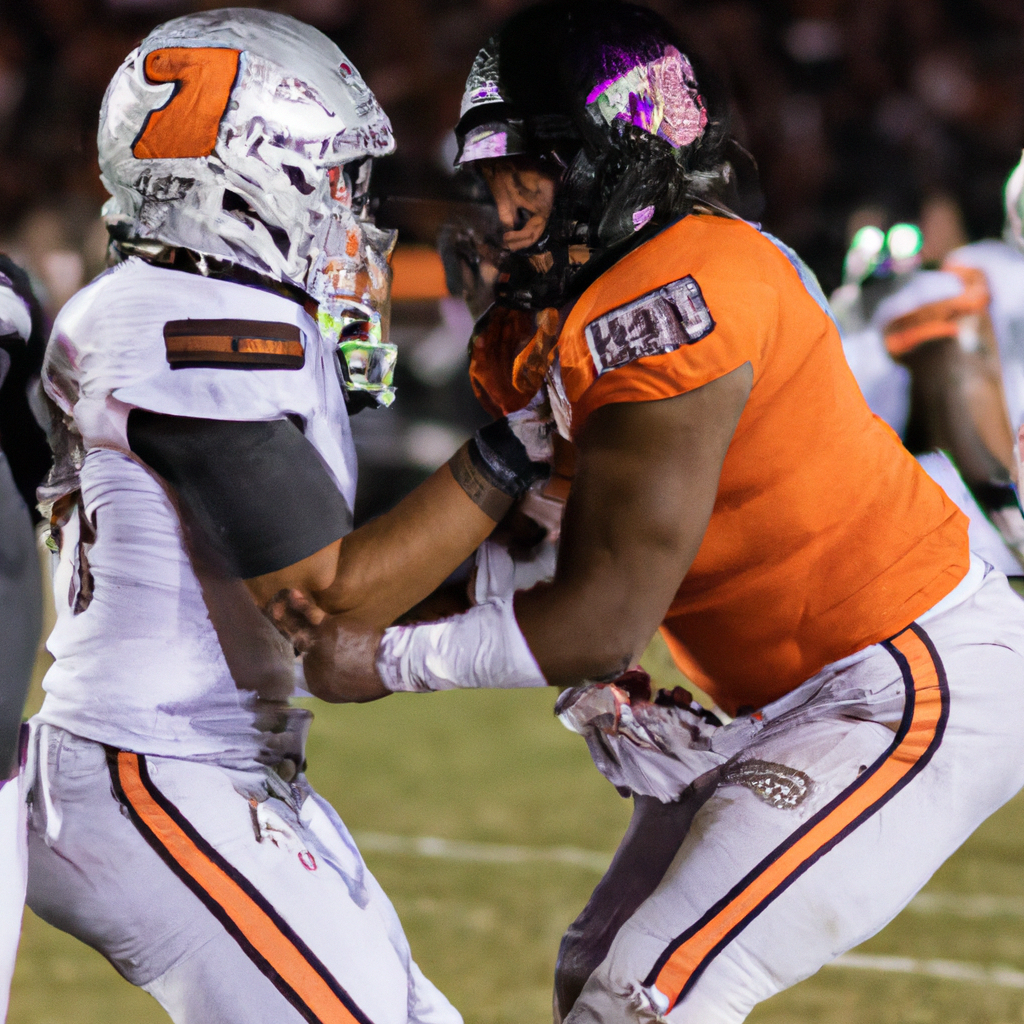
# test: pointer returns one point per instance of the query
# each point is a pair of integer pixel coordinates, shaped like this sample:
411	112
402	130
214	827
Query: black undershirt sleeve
260	491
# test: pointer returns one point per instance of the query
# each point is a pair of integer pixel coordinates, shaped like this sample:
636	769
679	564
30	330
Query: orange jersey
826	535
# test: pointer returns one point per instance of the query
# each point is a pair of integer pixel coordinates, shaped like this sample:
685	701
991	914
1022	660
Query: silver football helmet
247	136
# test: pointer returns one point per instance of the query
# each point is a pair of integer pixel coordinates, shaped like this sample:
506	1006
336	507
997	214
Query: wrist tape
483	647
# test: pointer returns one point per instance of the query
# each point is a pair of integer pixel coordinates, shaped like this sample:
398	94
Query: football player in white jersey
939	355
21	327
203	460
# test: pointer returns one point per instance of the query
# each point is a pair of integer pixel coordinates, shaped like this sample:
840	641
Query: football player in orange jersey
733	488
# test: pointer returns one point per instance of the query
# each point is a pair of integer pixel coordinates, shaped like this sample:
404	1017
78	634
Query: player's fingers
340	666
302	605
292	625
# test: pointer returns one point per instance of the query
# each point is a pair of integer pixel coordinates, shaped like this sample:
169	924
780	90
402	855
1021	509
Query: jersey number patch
188	123
234	344
656	323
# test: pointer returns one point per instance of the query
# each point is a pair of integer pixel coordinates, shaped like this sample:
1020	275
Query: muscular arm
393	562
264	499
647	477
385	567
643	494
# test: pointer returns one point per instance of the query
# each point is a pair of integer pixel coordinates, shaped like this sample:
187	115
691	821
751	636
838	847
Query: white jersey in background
886	384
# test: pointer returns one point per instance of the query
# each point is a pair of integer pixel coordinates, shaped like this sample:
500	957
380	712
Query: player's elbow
603	649
615	655
311	575
588	663
321	569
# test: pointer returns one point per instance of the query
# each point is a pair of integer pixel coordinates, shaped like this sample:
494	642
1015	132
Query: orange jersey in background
826	535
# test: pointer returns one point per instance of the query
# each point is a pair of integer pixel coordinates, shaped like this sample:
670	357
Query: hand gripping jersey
144	658
826	535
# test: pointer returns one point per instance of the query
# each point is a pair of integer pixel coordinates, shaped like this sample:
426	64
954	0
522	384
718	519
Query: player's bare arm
641	501
391	564
644	491
387	566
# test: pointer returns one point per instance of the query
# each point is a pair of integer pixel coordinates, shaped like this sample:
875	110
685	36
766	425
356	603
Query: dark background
857	111
871	108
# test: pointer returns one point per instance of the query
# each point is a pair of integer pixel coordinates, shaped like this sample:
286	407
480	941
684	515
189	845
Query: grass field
496	768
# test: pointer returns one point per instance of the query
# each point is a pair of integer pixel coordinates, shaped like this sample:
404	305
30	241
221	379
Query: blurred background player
24	459
732	486
938	355
198	396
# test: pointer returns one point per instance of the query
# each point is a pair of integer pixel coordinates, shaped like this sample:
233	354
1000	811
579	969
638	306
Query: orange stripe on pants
254	922
678	968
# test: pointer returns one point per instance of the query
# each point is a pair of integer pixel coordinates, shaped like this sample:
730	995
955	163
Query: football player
21	345
204	460
940	356
733	487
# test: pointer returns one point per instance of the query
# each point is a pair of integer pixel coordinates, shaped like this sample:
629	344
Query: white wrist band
483	647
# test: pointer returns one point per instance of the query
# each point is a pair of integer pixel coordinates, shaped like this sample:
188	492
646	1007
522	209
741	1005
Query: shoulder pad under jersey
147	337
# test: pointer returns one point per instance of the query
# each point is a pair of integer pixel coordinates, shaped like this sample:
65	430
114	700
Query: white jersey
142	666
885	384
1003	266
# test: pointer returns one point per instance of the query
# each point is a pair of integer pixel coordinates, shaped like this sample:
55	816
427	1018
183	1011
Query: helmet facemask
350	277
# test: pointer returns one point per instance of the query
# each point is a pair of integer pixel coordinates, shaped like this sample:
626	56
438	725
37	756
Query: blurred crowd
856	112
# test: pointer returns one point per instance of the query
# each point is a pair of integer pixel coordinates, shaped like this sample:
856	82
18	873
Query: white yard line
980	907
487	853
999	977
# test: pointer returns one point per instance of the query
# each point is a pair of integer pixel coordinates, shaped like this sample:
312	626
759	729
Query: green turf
497	768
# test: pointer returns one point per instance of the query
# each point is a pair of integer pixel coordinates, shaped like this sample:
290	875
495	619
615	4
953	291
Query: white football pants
228	895
843	799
